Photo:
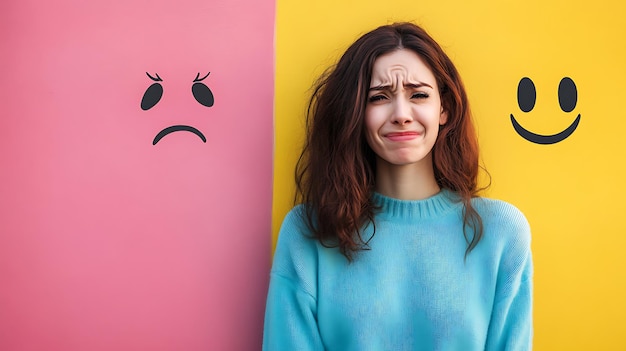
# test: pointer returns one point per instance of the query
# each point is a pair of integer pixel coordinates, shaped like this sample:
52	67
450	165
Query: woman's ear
443	117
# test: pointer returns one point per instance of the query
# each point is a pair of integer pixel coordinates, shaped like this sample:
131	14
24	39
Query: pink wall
108	242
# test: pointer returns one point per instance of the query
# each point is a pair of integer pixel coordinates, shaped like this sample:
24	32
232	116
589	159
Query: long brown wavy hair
335	174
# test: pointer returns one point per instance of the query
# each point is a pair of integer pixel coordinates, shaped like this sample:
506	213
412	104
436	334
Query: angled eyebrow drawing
157	79
200	79
408	85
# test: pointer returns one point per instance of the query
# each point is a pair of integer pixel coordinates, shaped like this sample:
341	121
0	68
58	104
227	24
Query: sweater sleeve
511	325
291	308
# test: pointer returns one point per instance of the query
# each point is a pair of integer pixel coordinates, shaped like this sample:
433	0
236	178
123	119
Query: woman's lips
402	136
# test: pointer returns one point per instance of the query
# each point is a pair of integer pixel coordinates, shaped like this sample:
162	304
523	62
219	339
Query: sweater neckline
433	206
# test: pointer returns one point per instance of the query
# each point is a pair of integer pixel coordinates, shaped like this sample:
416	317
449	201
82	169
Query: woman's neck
407	182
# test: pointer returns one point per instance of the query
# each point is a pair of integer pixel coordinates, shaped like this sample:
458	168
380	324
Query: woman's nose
401	113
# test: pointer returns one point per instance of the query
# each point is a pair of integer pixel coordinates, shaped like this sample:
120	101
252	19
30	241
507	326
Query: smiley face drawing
153	95
526	98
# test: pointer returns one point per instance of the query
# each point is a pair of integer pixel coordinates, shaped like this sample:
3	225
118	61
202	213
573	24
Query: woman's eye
420	95
376	98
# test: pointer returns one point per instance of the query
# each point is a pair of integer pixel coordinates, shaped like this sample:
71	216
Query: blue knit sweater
412	290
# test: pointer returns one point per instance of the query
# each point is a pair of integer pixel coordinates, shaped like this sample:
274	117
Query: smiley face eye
202	94
526	94
568	95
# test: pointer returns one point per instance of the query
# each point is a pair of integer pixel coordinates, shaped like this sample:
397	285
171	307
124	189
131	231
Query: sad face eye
202	94
526	94
153	94
568	95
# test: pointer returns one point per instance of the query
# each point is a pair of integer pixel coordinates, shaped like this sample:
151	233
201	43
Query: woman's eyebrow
407	85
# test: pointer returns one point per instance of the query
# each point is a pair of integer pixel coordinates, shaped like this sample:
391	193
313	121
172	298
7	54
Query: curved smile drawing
544	139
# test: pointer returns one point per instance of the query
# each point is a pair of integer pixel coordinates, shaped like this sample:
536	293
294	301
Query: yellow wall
572	192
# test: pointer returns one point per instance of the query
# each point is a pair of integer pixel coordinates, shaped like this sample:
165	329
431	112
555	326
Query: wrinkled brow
408	85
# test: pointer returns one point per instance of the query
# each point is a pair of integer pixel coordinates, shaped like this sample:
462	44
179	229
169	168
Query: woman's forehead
401	67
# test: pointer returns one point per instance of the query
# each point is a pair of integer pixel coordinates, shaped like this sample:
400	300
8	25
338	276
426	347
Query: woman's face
404	110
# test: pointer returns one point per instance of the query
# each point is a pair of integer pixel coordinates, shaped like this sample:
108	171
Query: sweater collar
433	206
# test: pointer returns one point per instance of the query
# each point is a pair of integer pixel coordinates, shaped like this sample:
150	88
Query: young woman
391	248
